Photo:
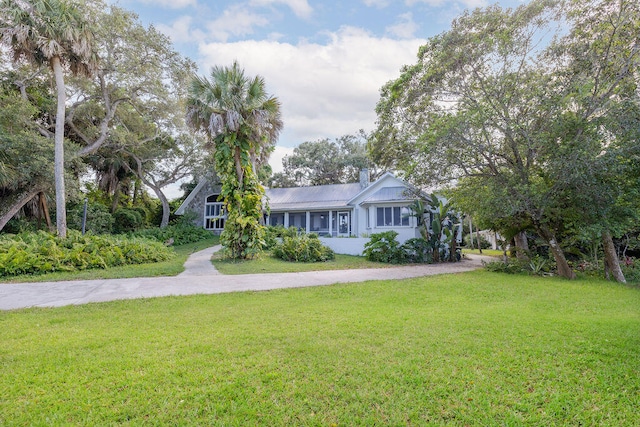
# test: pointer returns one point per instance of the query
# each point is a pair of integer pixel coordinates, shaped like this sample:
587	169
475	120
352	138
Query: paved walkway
200	277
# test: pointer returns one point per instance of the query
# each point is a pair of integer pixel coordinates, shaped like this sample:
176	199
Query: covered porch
326	223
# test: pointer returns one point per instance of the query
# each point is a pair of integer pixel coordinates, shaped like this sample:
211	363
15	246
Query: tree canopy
324	162
528	111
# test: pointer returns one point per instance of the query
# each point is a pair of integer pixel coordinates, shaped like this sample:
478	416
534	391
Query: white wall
355	245
345	245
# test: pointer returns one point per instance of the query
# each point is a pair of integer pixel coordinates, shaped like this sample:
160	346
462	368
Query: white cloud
238	20
179	31
405	28
465	3
171	4
326	90
276	157
376	3
300	8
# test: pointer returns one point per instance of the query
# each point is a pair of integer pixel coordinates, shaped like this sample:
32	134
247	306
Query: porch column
308	220
330	220
286	220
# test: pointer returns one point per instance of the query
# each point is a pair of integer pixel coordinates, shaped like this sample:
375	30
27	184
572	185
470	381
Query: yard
476	348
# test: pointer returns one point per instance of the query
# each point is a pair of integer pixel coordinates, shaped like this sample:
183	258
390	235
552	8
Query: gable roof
388	194
190	197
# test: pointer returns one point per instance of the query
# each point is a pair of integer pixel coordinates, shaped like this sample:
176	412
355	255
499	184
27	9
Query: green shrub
537	266
41	252
383	247
302	248
179	233
417	250
99	219
127	220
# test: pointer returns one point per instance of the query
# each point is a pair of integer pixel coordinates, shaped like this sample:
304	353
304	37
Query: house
354	210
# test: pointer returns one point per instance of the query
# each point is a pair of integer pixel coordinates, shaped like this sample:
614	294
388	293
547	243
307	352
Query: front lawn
477	348
267	263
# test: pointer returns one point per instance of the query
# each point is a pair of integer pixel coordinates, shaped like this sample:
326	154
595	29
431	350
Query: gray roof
389	194
314	197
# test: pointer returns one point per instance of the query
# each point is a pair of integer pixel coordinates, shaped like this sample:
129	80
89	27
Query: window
396	216
214	214
276	219
319	222
298	220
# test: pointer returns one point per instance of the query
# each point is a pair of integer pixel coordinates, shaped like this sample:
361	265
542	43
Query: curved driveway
200	277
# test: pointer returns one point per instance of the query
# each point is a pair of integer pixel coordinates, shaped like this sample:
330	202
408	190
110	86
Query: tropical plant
437	227
302	247
51	32
383	247
242	123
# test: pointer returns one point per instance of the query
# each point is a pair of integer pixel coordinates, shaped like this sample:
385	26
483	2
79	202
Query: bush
38	253
179	233
383	247
127	220
302	248
537	266
99	219
417	250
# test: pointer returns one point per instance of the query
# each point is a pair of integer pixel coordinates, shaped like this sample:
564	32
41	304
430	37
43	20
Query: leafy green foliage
536	266
38	253
417	250
99	219
532	112
127	220
242	122
177	234
325	162
437	226
302	248
383	247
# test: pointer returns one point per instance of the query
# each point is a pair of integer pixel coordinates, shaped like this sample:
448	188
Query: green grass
266	263
171	267
476	348
487	252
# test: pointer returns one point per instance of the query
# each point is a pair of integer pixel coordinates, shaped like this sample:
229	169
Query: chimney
364	178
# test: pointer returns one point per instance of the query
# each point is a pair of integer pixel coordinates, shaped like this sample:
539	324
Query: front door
343	223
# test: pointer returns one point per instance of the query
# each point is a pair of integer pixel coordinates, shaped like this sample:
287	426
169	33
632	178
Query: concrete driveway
200	277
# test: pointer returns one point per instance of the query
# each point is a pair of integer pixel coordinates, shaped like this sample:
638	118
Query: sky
324	60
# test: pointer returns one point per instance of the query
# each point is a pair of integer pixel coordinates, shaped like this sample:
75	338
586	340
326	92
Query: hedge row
41	252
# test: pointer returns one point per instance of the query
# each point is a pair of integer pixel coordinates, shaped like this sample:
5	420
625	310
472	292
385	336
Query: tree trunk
522	245
12	204
478	240
166	208
611	261
471	233
564	269
44	207
61	208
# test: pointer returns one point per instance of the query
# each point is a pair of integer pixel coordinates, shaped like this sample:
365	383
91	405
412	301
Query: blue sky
325	60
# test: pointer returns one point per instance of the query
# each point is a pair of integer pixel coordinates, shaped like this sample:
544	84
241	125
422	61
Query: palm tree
50	32
242	123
